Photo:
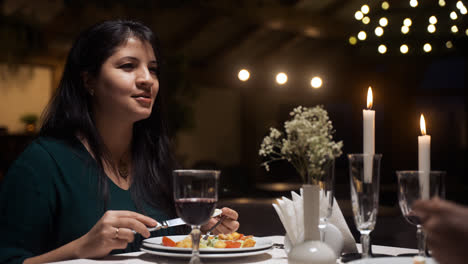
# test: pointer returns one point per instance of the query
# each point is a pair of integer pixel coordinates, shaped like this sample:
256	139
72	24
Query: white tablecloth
274	256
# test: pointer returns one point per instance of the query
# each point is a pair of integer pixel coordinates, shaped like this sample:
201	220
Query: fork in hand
208	233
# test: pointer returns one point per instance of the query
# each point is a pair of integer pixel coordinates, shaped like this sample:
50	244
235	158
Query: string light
383	21
366	20
431	28
404	29
404	49
385	5
382	49
453	15
378	31
362	35
365	9
411	26
407	22
358	15
427	47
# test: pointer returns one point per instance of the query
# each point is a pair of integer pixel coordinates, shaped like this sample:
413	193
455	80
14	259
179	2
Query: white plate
205	256
155	243
390	260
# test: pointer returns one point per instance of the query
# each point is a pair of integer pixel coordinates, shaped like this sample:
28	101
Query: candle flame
422	124
369	98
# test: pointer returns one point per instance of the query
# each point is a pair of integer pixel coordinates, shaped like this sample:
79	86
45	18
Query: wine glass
326	184
195	195
364	172
417	185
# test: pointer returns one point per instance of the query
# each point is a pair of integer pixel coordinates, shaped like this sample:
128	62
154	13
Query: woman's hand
228	226
446	227
113	231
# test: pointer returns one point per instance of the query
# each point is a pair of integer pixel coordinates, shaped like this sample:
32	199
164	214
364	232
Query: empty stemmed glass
364	172
326	184
417	185
195	195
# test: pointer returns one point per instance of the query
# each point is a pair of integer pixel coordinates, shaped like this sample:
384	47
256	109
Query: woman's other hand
446	227
113	231
229	224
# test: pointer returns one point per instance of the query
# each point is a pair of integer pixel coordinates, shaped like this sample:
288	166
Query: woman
101	167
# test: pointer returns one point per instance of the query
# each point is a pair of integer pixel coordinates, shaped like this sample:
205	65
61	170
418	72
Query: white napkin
291	214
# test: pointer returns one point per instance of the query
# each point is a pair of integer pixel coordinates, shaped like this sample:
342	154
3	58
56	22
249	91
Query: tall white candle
424	159
368	136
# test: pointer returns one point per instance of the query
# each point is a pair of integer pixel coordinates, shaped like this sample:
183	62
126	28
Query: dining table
275	255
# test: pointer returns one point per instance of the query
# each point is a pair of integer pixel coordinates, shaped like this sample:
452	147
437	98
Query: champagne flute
326	184
416	185
364	172
195	195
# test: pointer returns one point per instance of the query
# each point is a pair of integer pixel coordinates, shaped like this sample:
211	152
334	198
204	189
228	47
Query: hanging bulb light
382	49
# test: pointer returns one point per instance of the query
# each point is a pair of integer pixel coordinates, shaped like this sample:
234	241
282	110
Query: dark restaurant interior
219	121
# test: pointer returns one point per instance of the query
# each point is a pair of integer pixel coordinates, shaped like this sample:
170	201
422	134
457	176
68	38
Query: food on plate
419	260
233	240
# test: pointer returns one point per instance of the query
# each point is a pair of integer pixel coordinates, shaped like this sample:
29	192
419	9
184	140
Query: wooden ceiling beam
230	45
306	22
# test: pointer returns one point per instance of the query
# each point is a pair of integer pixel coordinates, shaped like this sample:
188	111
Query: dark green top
50	197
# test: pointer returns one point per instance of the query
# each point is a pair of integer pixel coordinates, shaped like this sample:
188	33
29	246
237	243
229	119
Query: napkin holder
312	250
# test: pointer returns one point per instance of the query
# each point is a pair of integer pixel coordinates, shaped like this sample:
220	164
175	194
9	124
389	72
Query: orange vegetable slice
168	242
232	244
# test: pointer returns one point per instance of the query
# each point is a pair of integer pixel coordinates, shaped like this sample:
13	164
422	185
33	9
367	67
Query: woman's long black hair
70	114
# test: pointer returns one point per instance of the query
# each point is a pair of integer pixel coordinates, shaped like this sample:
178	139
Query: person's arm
113	231
446	227
229	225
28	205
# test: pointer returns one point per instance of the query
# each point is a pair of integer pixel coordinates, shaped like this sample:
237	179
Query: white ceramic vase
312	250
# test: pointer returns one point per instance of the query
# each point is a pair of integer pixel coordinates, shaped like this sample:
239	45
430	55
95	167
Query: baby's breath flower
307	143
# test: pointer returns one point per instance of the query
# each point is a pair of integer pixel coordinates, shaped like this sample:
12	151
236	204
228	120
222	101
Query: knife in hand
175	222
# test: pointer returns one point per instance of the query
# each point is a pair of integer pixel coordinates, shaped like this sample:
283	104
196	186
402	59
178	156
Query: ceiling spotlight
358	15
404	29
352	40
383	21
404	48
316	82
427	47
366	20
281	78
379	31
362	35
433	20
460	5
442	3
431	28
449	44
454	29
466	31
407	22
463	11
413	3
385	5
243	75
365	9
382	49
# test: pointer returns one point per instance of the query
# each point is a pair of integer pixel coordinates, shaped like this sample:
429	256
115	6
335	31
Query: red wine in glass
195	211
195	196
